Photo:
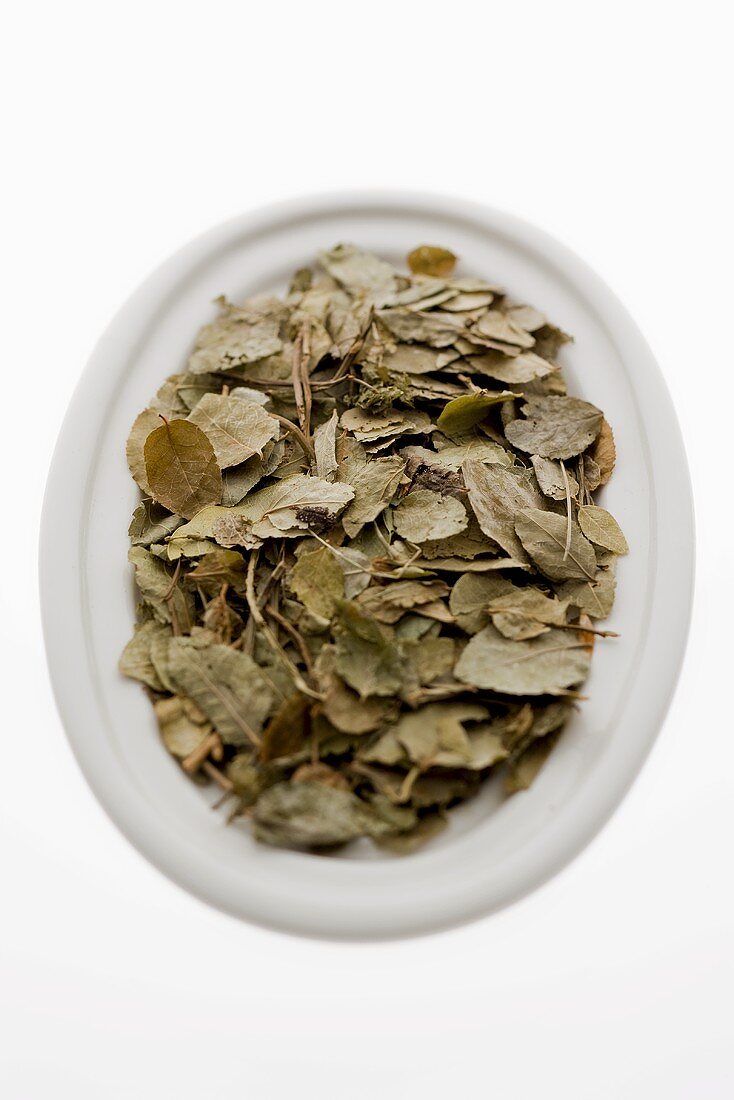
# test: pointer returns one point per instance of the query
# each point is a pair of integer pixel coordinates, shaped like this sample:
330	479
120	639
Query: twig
270	638
295	635
301	380
211	744
297	434
568	510
217	776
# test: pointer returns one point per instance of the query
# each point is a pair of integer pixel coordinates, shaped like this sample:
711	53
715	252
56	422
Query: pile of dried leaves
368	555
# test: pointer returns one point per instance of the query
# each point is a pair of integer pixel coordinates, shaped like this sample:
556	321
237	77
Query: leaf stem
298	435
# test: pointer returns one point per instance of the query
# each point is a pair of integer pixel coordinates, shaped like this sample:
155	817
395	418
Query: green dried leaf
166	598
136	661
144	424
324	442
497	325
236	429
317	581
601	528
411	359
526	612
437	329
367	657
513	370
423	515
546	665
593	597
359	271
312	815
497	494
237	481
238	337
367	427
227	685
373	483
218	567
544	535
461	414
549	475
388	603
473	594
151	523
425	660
525	769
343	706
556	427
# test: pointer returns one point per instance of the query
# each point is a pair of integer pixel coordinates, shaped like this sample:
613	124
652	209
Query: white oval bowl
494	850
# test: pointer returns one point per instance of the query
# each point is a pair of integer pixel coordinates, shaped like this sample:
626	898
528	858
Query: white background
129	129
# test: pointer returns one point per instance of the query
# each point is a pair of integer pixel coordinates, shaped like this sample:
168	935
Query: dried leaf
544	535
227	685
513	370
238	337
312	815
436	329
524	770
317	581
556	427
373	483
497	494
287	730
430	260
151	523
546	665
181	468
388	603
604	452
236	429
182	725
497	325
367	657
526	613
595	597
472	596
218	567
144	424
160	591
136	661
324	442
601	528
343	706
359	271
549	475
461	414
423	515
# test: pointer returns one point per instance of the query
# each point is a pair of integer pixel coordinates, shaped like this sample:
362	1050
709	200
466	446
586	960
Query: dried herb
368	556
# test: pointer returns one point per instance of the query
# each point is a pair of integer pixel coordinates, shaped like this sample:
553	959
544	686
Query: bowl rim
64	626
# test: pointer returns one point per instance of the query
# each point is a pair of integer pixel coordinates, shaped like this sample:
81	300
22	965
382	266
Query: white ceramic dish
494	851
